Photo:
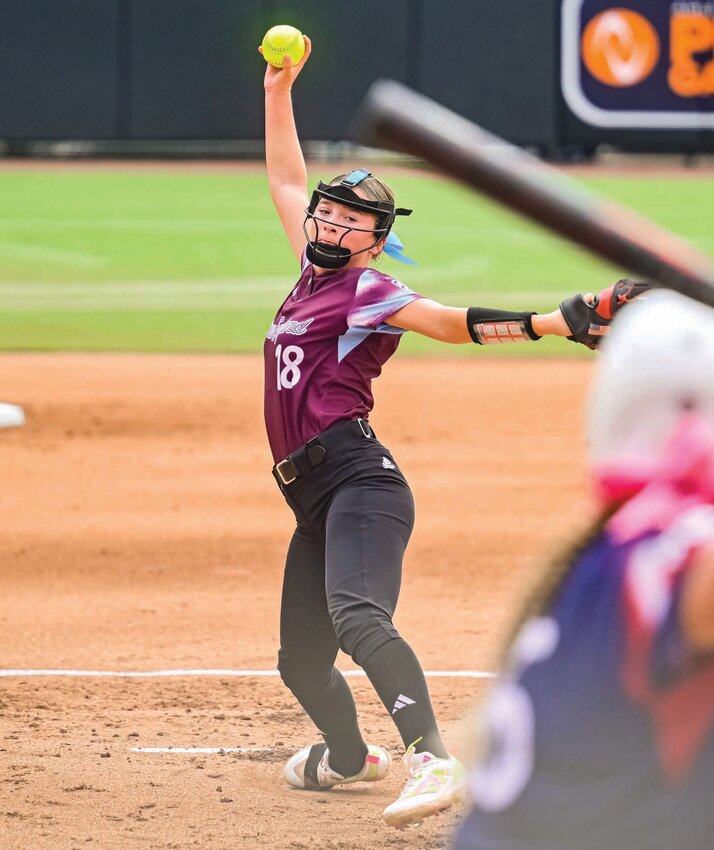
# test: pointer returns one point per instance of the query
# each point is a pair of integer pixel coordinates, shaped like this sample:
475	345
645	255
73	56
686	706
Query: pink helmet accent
651	417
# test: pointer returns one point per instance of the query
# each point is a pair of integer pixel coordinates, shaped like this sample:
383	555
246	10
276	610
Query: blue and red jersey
601	734
327	343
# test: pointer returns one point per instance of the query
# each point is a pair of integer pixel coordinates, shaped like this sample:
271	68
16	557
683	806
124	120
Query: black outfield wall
188	70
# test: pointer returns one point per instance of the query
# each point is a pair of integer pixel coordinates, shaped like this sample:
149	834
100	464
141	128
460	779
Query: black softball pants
355	514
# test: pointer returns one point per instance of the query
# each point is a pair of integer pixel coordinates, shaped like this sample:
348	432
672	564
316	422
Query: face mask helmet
336	256
655	368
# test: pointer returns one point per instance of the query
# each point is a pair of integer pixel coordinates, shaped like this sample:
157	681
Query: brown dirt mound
141	531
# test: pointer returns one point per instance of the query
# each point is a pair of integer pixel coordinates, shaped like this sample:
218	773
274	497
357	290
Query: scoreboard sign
639	63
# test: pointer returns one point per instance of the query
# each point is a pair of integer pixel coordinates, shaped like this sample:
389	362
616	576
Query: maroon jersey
327	343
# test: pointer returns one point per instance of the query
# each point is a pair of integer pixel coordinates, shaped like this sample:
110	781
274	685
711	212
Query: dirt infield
141	531
674	166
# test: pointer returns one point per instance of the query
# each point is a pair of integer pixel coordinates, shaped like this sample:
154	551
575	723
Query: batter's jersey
326	345
601	735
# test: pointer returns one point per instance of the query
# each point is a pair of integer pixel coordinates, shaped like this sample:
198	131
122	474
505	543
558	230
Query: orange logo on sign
691	73
620	47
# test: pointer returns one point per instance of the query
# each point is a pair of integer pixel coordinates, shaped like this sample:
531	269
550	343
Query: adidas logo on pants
401	702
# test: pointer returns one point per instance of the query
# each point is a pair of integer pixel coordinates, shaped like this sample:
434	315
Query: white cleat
434	785
310	769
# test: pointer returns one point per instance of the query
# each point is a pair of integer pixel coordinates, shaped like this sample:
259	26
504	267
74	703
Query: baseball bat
394	116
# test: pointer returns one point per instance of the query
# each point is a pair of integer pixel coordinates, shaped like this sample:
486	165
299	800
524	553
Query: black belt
312	454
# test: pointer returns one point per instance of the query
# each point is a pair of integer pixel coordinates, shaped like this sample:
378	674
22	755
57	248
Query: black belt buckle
286	470
315	452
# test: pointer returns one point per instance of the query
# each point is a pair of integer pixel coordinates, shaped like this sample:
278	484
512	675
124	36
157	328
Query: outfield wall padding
132	71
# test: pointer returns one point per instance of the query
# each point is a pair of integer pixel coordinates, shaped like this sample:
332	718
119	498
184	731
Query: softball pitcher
330	338
600	732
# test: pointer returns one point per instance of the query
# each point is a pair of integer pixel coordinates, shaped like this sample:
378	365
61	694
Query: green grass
188	261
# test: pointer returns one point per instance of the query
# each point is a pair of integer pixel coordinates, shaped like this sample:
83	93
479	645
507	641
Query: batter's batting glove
589	323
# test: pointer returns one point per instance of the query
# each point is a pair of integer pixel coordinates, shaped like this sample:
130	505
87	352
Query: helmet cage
335	256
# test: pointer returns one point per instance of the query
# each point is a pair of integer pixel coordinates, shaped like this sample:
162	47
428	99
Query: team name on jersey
290	327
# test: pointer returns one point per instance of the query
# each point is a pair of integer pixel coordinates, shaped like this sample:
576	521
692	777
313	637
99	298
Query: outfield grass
189	261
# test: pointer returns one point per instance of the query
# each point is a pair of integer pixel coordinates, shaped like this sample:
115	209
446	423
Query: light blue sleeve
377	297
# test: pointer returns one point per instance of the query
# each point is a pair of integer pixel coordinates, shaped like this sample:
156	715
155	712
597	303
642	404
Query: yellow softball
281	40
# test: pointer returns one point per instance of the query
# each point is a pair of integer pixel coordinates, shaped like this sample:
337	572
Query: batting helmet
656	367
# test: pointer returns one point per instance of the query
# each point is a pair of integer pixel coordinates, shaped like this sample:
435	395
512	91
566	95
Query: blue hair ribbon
393	248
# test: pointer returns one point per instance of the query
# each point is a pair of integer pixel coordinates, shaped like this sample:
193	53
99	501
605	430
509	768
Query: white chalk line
142	295
42	253
146	674
233	224
211	286
154	674
176	296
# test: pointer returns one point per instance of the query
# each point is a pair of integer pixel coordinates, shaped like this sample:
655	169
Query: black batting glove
589	323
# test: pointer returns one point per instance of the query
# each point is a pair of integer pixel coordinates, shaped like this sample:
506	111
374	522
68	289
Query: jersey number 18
289	359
